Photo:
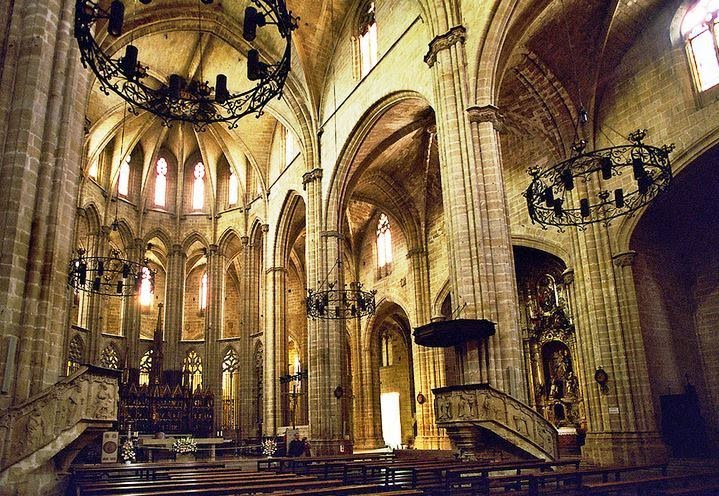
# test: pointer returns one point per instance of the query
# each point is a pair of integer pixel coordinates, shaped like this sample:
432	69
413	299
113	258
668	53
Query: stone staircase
41	436
484	422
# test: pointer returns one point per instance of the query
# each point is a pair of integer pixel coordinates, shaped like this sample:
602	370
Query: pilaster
175	295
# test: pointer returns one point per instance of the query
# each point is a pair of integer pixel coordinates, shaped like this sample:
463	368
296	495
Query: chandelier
110	276
331	303
548	195
179	98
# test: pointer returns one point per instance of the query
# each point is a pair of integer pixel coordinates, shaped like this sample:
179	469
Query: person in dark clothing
297	447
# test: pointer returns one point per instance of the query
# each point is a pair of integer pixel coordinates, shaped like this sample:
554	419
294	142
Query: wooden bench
224	488
352	489
141	470
646	485
122	487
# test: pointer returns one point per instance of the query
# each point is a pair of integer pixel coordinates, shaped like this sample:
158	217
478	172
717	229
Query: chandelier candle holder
180	98
342	303
548	195
109	276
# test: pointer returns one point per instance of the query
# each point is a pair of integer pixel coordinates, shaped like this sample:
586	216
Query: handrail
89	394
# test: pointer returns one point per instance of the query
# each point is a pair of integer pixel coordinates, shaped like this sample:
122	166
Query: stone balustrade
469	412
88	396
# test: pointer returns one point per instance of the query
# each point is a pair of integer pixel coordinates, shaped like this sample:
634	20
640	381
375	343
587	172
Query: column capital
487	113
415	252
177	249
213	249
332	234
444	41
245	240
265	228
624	259
311	176
568	276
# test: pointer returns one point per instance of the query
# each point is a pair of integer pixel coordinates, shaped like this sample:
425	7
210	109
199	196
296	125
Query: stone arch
127	236
627	225
281	250
438	301
229	243
345	169
530	240
192	237
162	235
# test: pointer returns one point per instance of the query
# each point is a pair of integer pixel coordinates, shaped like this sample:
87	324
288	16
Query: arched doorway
675	273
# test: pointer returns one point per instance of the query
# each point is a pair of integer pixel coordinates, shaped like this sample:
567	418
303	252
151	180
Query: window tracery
230	388
384	245
198	187
75	354
700	30
367	38
192	371
160	182
233	189
203	292
110	359
123	181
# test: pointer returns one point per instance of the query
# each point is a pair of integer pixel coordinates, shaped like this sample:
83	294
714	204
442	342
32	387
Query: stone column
247	363
275	348
480	251
212	366
620	419
132	312
174	306
429	367
95	321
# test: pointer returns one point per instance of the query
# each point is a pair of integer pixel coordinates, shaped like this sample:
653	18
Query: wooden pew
225	488
122	487
648	485
142	470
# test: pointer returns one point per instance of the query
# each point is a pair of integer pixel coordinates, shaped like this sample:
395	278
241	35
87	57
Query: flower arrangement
269	447
127	451
184	446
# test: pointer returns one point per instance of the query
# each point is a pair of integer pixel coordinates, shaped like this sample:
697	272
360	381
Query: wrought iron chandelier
110	276
549	198
180	99
331	303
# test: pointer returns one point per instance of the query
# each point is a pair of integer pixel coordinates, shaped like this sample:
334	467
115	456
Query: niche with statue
549	337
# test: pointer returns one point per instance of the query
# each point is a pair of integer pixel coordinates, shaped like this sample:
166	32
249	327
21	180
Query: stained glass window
160	182
700	29
198	187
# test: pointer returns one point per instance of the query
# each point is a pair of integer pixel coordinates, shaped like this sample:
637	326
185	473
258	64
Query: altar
151	444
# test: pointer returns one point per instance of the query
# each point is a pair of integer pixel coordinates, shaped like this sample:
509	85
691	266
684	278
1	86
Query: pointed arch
110	357
192	237
162	235
282	247
346	168
230	243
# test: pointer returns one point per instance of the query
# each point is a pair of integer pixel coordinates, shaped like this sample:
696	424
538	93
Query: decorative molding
275	269
568	277
444	41
90	395
415	252
265	228
624	259
487	113
313	175
332	234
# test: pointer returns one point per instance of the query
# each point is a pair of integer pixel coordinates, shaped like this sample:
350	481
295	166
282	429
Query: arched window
160	182
233	189
230	389
700	30
110	359
203	292
386	349
93	169
145	368
384	243
75	354
290	147
367	38
198	187
192	371
146	288
123	182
